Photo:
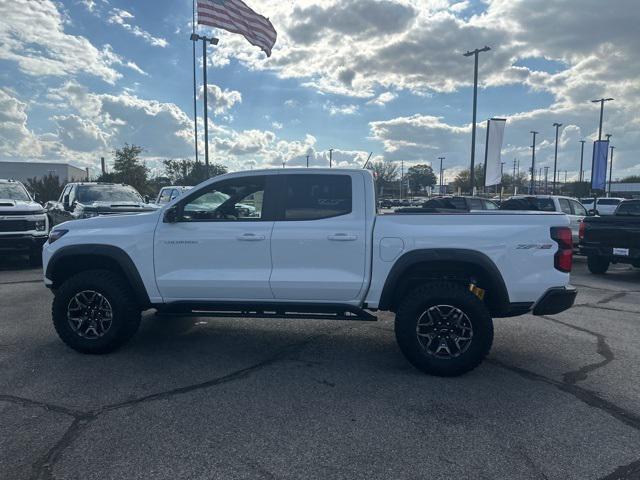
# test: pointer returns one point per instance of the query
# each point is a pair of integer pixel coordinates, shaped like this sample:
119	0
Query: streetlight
441	172
533	161
601	102
475	104
214	41
307	161
610	170
581	159
555	158
330	157
546	180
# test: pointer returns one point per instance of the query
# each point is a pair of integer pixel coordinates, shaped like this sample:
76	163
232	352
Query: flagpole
195	95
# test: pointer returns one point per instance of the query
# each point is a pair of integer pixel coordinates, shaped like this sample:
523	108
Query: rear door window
475	204
313	197
489	205
565	206
578	209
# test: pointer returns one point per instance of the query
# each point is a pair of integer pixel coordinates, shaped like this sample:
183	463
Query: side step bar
269	310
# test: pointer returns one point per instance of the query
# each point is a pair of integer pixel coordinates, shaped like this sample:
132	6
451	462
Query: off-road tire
597	264
125	318
457	295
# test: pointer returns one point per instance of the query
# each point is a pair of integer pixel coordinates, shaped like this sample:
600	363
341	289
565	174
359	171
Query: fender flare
498	290
122	259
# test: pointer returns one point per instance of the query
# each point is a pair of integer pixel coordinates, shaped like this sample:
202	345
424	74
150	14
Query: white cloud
340	109
32	35
383	99
220	101
123	18
80	134
276	125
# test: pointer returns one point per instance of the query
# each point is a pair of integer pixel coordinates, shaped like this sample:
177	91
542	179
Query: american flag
235	16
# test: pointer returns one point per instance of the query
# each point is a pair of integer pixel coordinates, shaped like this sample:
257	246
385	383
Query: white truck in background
312	246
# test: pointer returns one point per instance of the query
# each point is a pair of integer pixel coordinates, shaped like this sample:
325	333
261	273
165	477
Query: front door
218	246
319	239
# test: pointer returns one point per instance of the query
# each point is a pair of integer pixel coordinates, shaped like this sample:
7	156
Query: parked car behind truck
23	223
92	199
313	247
612	238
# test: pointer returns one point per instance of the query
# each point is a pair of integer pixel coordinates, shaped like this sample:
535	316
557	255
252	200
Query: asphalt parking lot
203	398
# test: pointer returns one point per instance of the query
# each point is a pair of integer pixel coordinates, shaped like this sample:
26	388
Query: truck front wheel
597	264
443	329
95	312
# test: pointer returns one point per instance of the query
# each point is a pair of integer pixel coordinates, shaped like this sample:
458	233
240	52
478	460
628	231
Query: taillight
583	226
563	259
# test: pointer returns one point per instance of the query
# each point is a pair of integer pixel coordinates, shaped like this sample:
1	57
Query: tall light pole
581	159
441	172
475	106
330	157
533	162
307	161
601	102
546	180
213	41
555	158
195	93
610	170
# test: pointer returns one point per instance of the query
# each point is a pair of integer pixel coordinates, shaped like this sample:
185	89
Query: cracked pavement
202	398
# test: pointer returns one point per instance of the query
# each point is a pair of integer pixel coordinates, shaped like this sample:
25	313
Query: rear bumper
555	300
21	243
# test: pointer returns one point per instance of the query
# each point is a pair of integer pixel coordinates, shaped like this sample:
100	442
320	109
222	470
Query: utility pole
307	161
401	176
330	157
533	162
601	102
546	180
214	41
441	173
475	53
610	170
581	160
555	158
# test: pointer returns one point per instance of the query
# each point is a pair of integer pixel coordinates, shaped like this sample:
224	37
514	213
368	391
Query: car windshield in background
107	193
608	201
12	191
529	203
631	208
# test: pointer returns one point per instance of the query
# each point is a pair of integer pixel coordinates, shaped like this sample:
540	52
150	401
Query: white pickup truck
311	246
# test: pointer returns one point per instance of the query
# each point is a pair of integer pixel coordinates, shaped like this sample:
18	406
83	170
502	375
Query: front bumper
21	242
555	300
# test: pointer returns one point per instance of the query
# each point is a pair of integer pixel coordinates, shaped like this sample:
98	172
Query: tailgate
613	235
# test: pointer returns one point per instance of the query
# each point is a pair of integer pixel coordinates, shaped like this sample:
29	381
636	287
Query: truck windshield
107	193
13	191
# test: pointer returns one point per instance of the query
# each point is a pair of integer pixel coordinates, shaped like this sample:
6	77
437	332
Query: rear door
318	245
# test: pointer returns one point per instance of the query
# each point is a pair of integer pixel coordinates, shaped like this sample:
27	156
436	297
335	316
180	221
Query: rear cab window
630	208
317	196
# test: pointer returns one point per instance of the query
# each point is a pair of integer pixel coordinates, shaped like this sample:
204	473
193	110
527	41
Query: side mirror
146	199
171	215
592	212
65	202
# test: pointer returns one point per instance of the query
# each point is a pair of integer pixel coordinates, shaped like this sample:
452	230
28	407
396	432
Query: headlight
56	234
41	225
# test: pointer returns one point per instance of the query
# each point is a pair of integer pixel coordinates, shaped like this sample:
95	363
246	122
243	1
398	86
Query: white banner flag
493	161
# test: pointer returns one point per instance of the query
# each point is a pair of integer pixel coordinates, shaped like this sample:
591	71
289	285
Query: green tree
384	173
129	168
631	179
190	172
45	188
463	179
420	177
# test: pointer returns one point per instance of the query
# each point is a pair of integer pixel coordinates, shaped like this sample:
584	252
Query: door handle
342	237
250	237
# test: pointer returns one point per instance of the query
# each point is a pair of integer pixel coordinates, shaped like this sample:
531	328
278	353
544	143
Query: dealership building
24	170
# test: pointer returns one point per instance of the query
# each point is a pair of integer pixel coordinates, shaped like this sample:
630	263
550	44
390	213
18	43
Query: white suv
24	226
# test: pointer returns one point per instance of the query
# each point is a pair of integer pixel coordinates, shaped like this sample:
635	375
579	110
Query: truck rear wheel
443	329
95	312
597	264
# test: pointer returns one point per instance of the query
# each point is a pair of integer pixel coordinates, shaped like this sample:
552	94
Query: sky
79	78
